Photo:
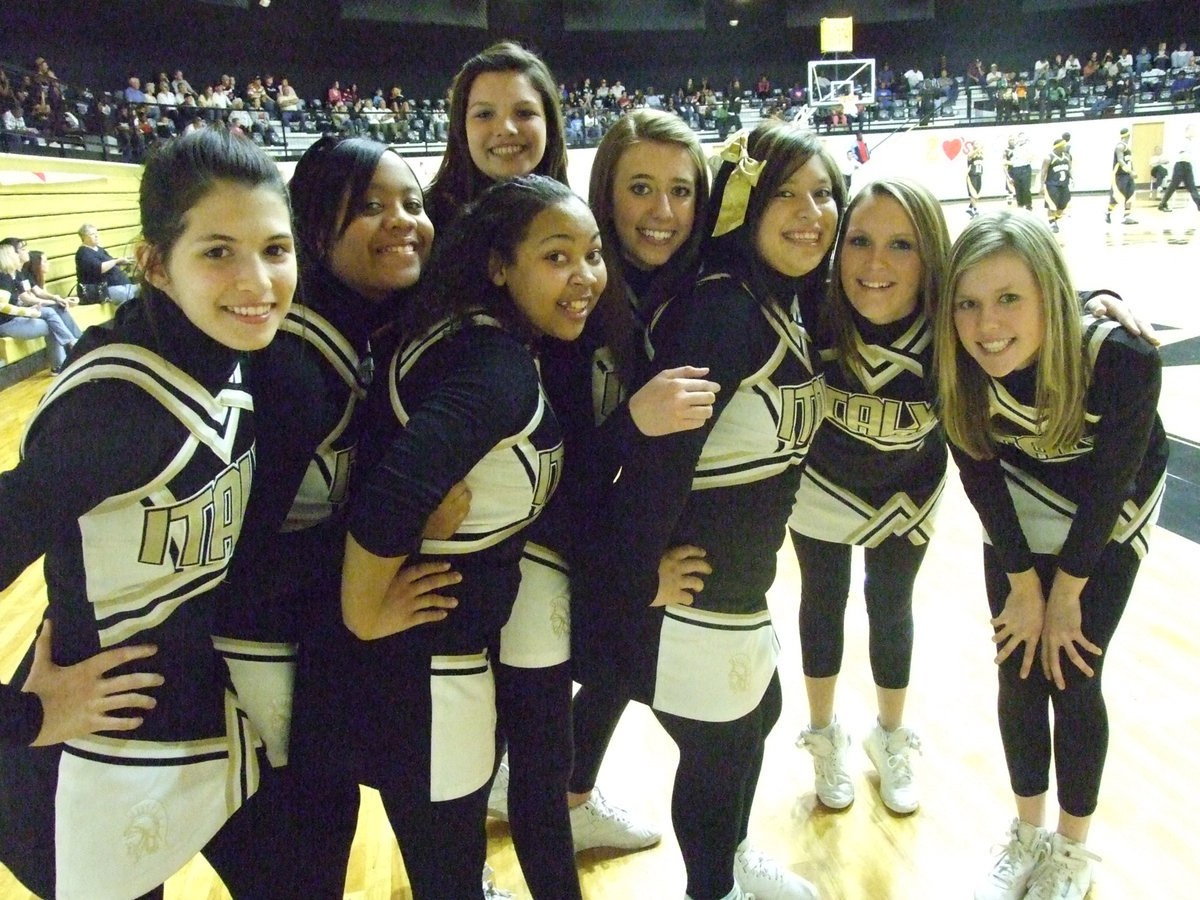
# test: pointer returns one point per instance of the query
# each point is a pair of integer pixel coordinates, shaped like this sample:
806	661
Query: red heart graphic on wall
952	148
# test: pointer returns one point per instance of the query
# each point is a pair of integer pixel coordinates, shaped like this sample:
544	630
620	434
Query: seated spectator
25	321
1162	59
95	266
1143	60
334	95
974	73
1183	58
18	133
290	105
133	91
31	279
180	85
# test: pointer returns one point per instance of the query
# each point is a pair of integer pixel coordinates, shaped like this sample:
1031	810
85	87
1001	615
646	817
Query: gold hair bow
742	179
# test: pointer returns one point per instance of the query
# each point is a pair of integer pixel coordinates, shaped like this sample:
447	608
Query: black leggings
891	570
719	763
534	710
595	712
1080	734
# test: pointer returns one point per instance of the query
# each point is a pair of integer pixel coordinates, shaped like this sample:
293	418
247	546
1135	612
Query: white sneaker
736	894
889	751
1066	874
828	747
764	879
598	823
490	891
497	806
1027	847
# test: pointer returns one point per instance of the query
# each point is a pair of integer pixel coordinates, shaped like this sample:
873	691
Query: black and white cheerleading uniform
308	385
136	469
1087	510
284	585
874	478
462	402
708	670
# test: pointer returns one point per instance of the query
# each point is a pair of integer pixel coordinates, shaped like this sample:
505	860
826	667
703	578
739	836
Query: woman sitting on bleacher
24	315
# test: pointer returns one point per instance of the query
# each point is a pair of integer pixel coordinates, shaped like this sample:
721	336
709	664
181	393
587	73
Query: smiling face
799	223
506	125
880	260
233	270
999	314
389	235
557	272
654	202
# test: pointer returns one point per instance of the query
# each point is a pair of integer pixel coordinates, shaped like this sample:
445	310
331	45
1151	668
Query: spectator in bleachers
1125	60
1142	61
974	73
18	132
1183	58
333	96
180	85
255	90
95	266
762	90
1162	58
21	316
32	279
133	90
289	103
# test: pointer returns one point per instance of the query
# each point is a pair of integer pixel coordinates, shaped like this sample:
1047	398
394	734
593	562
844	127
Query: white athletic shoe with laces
1026	848
828	747
598	823
889	753
497	806
1066	873
490	891
764	879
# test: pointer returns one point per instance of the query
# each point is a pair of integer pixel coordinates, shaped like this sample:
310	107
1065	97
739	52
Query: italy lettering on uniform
323	489
513	482
786	394
886	423
203	528
1018	425
147	551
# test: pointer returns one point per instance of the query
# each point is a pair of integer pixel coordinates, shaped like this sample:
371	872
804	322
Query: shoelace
1059	867
1010	856
757	863
601	808
826	763
898	762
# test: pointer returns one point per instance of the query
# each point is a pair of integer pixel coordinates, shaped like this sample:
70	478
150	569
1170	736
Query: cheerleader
505	121
1061	451
363	239
708	670
874	476
461	400
649	189
135	471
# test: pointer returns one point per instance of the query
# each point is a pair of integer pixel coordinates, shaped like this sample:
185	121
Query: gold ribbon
741	181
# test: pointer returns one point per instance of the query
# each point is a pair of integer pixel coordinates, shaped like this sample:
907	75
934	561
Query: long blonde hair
1063	371
933	247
